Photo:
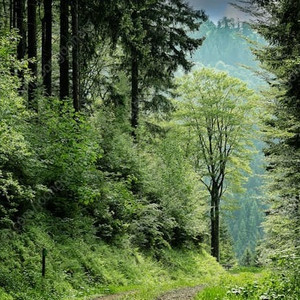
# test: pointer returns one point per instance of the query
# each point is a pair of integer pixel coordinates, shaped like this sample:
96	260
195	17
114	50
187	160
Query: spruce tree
155	47
278	22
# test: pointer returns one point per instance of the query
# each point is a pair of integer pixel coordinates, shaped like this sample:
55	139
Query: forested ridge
144	148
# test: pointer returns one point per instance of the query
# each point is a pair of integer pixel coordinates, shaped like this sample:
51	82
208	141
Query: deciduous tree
217	112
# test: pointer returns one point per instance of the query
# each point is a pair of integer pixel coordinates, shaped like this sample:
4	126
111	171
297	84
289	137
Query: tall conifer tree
47	47
32	50
64	49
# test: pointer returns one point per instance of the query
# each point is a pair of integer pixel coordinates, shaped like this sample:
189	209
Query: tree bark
11	14
19	12
32	51
215	223
75	49
47	48
5	14
19	21
134	92
64	49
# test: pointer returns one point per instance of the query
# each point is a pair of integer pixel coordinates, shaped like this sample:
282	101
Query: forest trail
182	294
186	293
125	295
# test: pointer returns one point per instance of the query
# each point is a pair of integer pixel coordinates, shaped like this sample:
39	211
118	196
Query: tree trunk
75	45
64	49
47	48
215	223
134	92
32	51
5	14
12	23
19	21
21	49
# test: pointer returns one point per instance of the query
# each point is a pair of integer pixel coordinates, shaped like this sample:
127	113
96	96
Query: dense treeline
99	143
77	135
81	155
87	163
278	23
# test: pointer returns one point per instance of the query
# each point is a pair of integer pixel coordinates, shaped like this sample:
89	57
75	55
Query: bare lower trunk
64	49
75	40
32	52
215	225
134	93
47	48
21	49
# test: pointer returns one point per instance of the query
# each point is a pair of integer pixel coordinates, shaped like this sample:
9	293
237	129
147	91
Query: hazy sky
217	9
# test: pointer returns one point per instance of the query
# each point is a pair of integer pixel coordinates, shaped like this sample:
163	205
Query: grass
79	265
176	268
235	282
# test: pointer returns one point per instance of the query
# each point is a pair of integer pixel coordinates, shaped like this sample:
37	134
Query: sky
217	9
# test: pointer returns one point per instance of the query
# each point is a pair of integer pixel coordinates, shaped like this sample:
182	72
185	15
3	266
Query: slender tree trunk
12	23
11	14
14	13
215	223
19	11
4	14
75	49
64	49
134	92
21	49
47	48
32	51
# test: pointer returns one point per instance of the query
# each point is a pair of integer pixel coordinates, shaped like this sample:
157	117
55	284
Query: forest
149	152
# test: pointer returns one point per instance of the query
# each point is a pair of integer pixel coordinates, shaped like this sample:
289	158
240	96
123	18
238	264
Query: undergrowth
79	265
254	284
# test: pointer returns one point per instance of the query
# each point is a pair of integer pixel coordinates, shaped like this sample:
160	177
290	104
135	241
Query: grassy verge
78	265
239	283
178	268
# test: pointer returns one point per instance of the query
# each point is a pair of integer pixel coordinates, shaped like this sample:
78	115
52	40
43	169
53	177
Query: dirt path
178	294
182	294
116	296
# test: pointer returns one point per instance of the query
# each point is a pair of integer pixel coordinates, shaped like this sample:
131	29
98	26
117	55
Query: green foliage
280	61
16	191
223	122
150	192
66	149
247	259
245	283
78	265
215	114
227	254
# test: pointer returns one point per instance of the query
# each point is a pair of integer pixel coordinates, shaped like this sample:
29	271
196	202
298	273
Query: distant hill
227	49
